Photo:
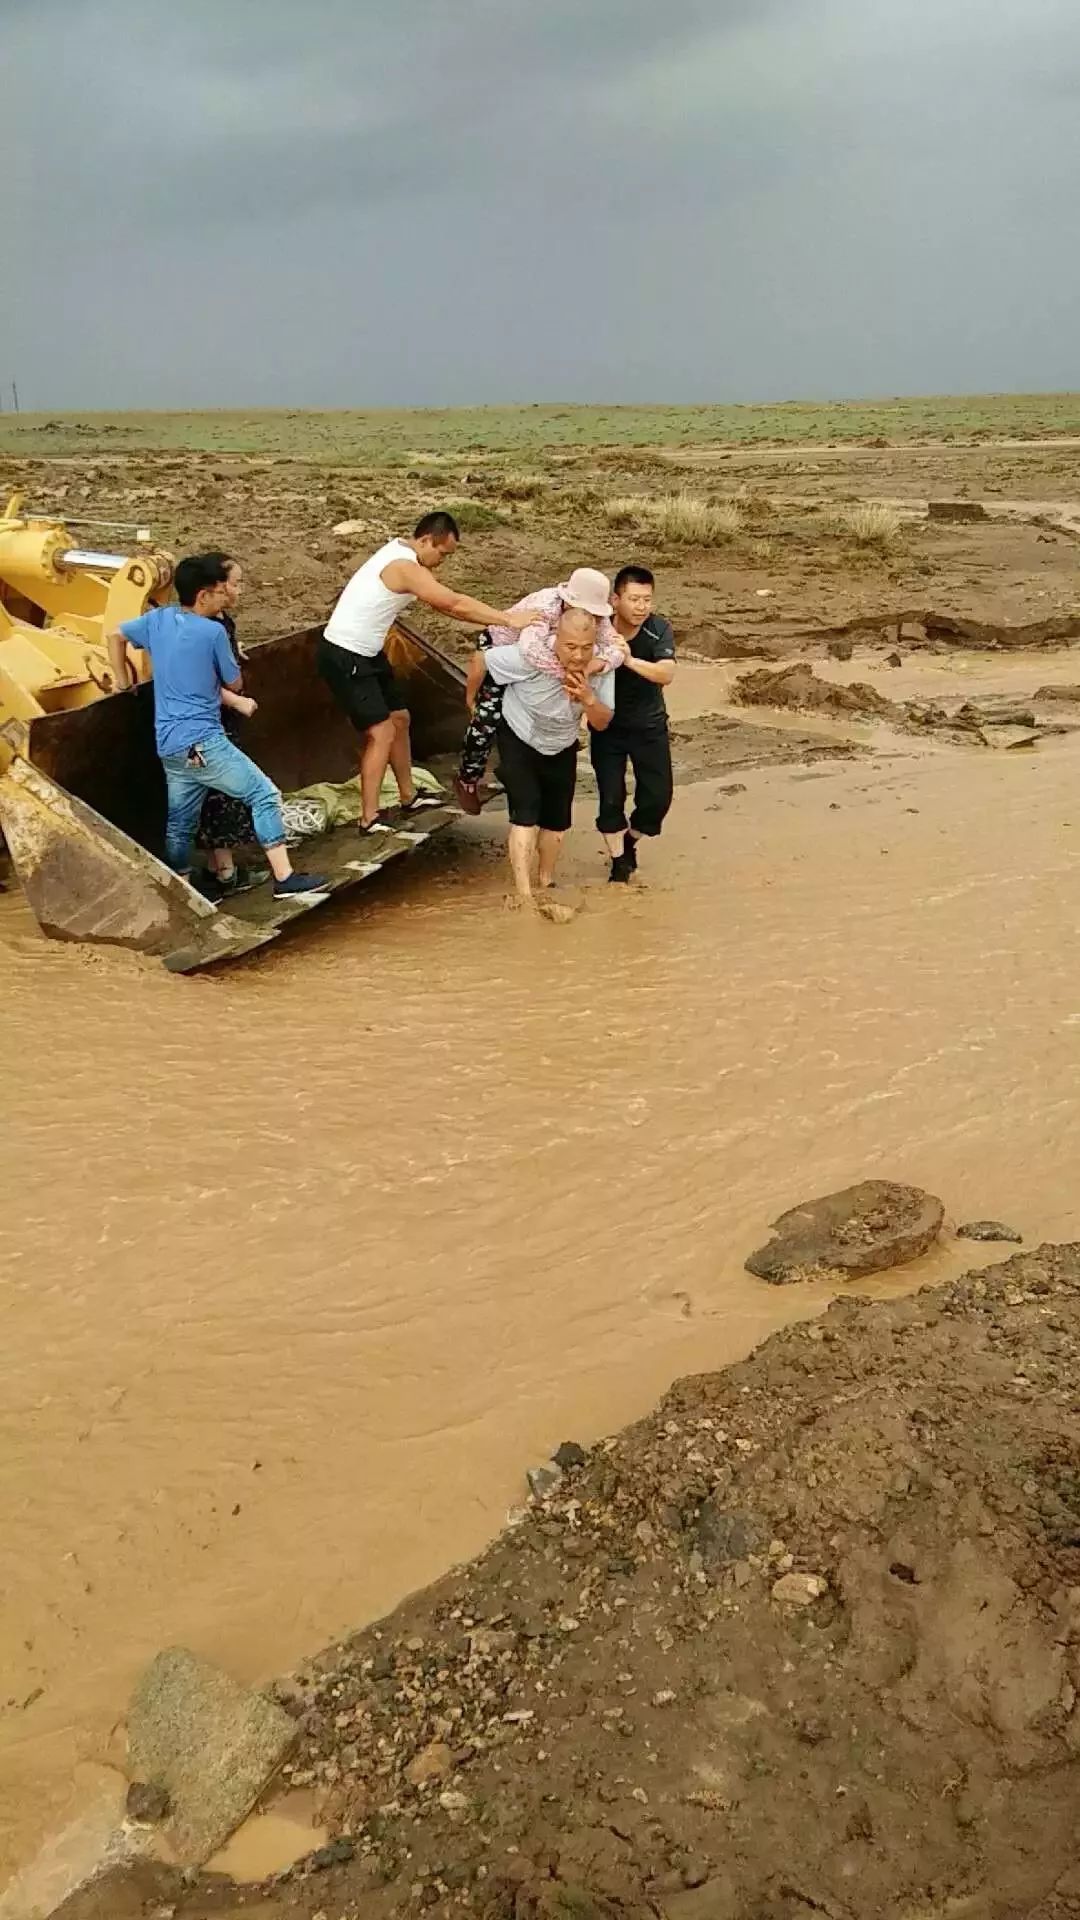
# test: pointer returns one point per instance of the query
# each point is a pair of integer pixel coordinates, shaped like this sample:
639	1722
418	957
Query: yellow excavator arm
58	602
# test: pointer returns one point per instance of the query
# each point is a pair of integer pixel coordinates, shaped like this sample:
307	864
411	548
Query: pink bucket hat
588	589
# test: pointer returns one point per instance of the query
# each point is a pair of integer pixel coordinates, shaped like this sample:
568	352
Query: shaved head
576	624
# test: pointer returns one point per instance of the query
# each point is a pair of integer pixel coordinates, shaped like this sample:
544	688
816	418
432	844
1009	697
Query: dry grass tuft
870	525
755	503
523	486
682	518
473	516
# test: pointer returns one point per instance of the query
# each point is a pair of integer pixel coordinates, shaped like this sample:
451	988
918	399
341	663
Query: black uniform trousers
647	750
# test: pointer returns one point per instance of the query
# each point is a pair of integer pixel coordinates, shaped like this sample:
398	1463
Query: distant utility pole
15	396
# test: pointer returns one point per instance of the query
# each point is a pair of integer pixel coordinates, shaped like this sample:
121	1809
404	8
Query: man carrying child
537	737
586	591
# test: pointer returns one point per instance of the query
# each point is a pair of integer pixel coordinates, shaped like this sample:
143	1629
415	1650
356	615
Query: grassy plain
399	437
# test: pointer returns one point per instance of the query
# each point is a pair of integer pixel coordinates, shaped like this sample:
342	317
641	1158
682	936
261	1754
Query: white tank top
367	609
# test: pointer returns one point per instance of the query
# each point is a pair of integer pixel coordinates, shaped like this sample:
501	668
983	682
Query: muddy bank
922	629
997	720
797	686
807	1639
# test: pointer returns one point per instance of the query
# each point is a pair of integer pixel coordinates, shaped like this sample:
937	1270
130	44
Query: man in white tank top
352	659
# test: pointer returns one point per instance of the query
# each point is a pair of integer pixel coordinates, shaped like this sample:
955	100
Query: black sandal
420	802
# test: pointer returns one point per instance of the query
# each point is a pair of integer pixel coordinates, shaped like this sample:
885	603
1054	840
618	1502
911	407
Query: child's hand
246	705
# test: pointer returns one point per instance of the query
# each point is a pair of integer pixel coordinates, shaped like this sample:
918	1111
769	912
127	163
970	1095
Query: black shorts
539	786
365	688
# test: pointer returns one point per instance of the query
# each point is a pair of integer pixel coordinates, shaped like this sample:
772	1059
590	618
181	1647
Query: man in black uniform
639	731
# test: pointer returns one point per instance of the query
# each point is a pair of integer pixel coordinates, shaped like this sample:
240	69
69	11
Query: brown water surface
307	1261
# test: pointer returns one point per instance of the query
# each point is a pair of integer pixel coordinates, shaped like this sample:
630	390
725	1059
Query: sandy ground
309	1260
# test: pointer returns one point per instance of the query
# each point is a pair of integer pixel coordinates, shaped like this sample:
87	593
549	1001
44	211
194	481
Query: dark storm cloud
276	109
365	201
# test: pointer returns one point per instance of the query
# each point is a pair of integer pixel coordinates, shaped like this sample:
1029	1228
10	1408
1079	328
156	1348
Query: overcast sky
441	202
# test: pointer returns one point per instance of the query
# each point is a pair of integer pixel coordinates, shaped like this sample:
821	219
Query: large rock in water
863	1229
210	1744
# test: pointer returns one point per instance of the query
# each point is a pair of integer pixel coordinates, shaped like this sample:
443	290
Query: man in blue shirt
193	666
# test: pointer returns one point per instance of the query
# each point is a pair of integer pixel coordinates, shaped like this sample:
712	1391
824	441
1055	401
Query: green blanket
315	809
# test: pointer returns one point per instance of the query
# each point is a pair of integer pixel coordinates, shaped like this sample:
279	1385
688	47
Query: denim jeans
226	770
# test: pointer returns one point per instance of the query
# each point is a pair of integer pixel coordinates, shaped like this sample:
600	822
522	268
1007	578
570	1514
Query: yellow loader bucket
82	803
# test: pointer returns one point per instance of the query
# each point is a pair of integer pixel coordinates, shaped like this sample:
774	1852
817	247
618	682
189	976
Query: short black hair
633	577
437	526
200	573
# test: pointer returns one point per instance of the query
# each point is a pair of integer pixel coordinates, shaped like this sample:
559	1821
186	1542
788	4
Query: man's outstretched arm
408	576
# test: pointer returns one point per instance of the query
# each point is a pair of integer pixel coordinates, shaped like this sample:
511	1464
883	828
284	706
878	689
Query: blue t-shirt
192	659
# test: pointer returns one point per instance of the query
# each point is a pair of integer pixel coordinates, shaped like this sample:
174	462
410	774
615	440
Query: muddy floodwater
306	1262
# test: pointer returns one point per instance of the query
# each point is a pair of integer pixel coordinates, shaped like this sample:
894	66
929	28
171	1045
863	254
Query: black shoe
242	880
630	850
209	886
301	886
420	802
621	869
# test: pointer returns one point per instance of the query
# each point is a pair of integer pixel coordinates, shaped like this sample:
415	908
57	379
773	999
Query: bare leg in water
522	850
550	848
523	845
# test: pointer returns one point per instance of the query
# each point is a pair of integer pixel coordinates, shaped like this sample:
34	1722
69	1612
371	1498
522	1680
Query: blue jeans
225	770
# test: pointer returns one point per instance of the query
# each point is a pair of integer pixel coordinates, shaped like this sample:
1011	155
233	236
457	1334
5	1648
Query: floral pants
480	732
